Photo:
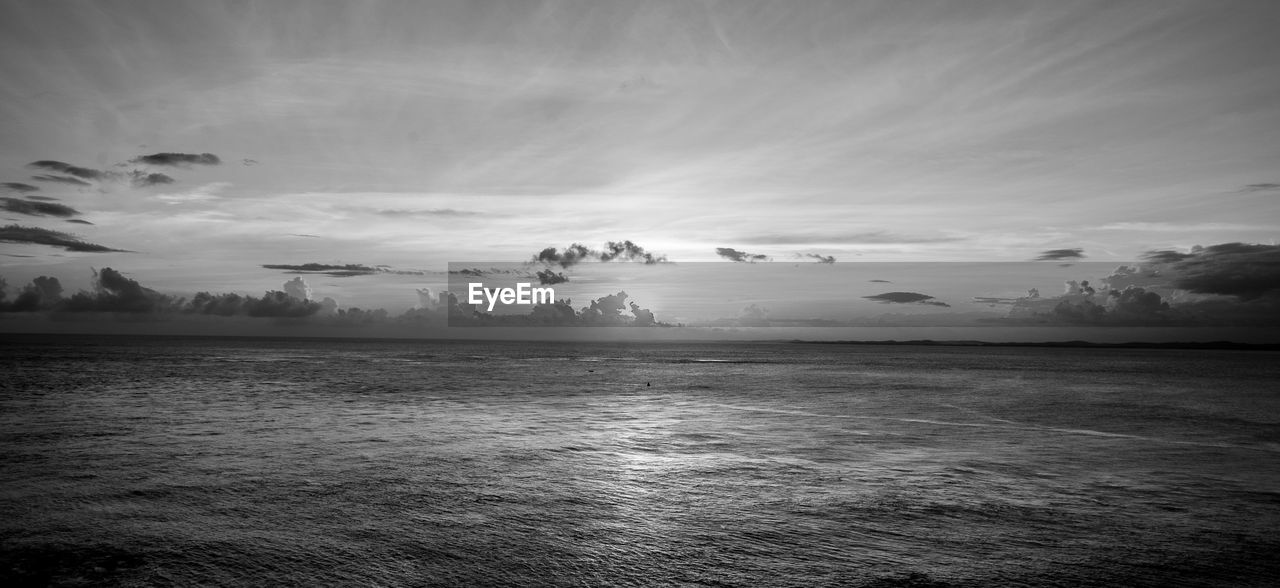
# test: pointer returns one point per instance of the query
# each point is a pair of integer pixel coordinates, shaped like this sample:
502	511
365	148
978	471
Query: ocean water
225	462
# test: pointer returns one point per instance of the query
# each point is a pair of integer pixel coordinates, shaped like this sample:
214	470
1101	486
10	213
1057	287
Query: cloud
79	221
1220	285
61	180
113	292
1057	254
39	236
298	289
906	298
332	270
1246	271
613	251
77	175
822	258
628	251
429	212
548	277
37	208
1260	187
273	303
740	256
572	254
18	187
341	271
142	179
880	281
43	293
177	159
66	168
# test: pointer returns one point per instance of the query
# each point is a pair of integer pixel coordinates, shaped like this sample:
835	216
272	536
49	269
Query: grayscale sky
413	134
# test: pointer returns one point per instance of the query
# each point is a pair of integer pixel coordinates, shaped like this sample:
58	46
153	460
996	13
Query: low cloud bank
113	292
606	311
1230	284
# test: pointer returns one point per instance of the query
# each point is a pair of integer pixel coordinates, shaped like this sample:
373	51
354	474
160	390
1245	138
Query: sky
415	134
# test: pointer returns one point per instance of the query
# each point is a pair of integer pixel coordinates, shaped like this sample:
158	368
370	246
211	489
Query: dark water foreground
249	463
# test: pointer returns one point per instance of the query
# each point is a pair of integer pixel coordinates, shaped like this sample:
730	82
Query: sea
129	461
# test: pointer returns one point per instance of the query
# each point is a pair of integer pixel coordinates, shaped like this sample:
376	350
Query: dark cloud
906	298
37	208
42	198
346	270
79	221
113	292
279	304
548	277
644	316
613	251
19	187
274	303
571	255
332	270
1260	187
217	304
741	256
61	180
1137	304
142	179
1130	306
822	258
628	251
39	236
340	271
1057	254
880	281
43	293
66	168
178	159
1245	271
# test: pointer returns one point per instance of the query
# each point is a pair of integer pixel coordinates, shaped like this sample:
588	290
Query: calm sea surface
317	463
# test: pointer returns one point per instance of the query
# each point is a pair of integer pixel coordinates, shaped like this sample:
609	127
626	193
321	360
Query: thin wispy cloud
1263	187
83	173
42	236
1061	254
18	187
177	159
61	180
906	298
37	208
